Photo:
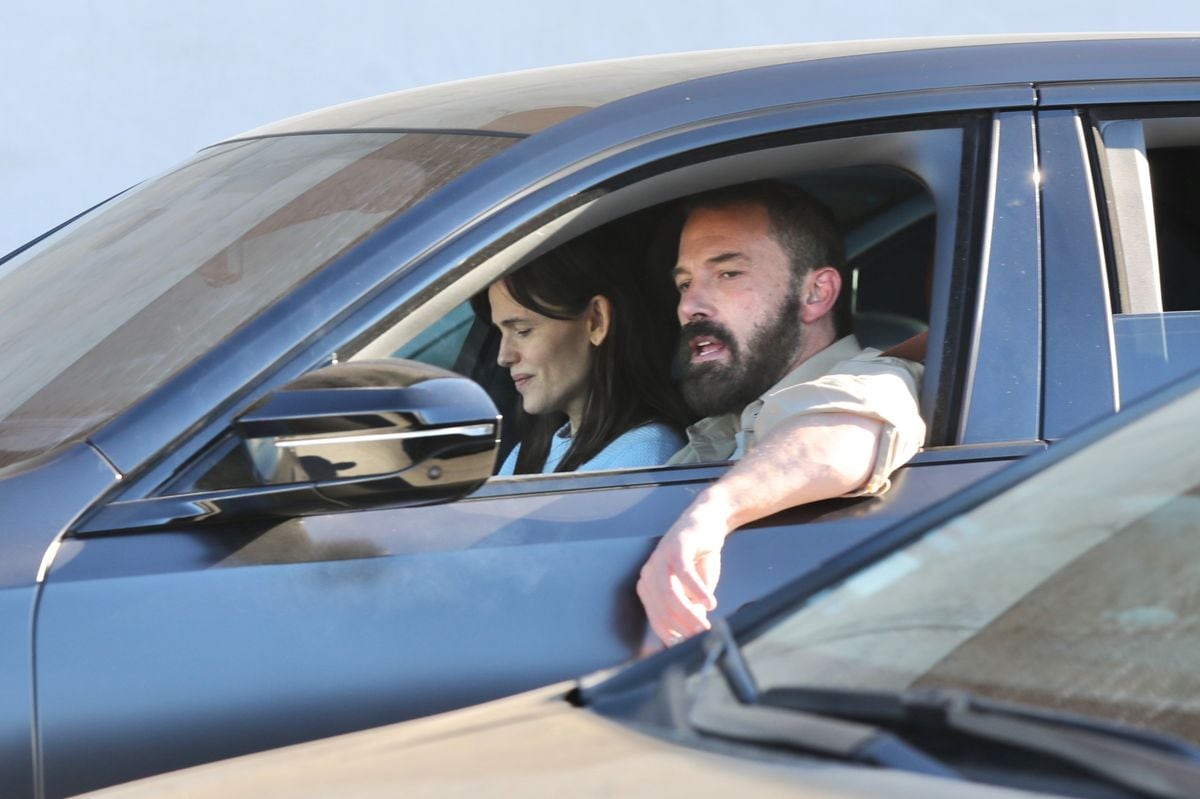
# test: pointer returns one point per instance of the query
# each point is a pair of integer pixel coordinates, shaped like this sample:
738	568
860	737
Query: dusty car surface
169	594
1037	635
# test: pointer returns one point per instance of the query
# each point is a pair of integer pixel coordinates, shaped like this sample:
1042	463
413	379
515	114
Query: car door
163	644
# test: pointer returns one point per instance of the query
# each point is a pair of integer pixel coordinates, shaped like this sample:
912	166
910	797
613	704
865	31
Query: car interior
1155	156
1175	178
885	191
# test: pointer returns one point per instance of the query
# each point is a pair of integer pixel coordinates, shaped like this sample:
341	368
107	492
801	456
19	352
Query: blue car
218	539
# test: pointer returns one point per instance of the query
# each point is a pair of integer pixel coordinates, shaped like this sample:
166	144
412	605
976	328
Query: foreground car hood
531	745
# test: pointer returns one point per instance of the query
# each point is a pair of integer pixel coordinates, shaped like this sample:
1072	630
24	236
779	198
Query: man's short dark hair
803	226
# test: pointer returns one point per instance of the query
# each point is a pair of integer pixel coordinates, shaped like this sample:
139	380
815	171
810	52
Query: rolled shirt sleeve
868	385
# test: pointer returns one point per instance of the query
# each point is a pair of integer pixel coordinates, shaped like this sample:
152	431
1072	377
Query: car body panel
532	745
17	764
38	506
401	605
40	503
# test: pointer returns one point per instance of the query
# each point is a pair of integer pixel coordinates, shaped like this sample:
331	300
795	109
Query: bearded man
767	357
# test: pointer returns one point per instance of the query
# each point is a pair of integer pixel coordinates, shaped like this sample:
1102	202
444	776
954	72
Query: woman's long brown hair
629	373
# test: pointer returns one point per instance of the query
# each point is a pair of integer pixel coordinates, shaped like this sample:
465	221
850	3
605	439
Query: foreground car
172	592
1037	634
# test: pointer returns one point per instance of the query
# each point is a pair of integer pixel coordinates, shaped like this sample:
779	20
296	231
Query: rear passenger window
1151	166
1175	184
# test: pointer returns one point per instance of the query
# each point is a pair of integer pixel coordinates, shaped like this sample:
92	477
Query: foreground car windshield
111	306
1078	590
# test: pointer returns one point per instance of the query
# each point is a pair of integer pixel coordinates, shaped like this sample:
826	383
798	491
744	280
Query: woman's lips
520	381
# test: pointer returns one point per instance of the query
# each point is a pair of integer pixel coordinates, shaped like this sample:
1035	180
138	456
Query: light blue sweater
649	445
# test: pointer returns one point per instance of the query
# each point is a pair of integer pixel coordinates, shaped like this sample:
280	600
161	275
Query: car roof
521	103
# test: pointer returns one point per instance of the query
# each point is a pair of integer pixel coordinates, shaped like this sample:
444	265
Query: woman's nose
507	355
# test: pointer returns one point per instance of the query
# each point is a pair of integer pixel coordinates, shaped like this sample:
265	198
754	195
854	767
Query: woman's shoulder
509	466
653	431
650	444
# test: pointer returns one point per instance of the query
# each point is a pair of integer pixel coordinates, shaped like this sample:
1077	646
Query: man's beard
712	389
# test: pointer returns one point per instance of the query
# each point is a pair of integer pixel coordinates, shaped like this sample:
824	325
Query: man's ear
821	289
599	318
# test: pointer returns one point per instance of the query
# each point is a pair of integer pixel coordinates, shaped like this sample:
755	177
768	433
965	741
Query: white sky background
95	96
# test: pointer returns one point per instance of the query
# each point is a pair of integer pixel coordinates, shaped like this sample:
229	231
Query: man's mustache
708	328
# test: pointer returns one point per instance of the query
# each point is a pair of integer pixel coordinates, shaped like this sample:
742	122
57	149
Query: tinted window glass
885	215
112	306
1175	181
1155	348
442	343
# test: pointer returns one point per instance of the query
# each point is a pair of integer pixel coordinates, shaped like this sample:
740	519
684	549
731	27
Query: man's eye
682	287
730	273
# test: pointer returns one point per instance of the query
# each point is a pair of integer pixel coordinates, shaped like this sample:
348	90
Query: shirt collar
817	366
714	438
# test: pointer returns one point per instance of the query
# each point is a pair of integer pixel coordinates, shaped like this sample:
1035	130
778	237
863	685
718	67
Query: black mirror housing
371	419
359	434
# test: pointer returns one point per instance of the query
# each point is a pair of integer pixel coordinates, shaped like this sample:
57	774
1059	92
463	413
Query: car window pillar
1080	369
1002	395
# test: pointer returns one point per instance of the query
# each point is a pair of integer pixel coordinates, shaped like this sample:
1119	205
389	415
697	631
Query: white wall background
95	96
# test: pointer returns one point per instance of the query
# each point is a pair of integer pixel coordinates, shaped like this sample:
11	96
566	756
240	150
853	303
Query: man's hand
678	583
802	460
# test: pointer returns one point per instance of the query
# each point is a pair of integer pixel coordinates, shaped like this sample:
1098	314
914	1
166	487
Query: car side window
1151	166
896	193
888	217
442	343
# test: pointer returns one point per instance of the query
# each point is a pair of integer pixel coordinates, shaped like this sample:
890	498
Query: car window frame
430	273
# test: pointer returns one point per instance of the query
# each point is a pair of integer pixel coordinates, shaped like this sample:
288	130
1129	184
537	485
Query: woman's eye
522	333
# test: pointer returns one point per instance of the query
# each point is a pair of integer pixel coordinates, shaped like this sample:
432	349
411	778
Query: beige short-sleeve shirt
842	378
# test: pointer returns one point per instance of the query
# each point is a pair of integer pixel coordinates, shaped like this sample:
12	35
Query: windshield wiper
1154	764
872	727
748	720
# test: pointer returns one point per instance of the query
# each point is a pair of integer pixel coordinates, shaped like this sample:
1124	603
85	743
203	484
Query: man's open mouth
706	348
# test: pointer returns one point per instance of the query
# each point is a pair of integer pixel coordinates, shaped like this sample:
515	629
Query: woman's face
547	358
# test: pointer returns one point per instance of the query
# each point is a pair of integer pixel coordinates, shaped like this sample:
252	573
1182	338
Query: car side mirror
355	428
360	434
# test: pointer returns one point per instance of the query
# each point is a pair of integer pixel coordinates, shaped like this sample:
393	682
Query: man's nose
695	304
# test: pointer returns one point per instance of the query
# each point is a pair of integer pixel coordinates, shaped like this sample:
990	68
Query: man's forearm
802	460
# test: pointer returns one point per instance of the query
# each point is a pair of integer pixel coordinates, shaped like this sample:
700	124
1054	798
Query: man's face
738	306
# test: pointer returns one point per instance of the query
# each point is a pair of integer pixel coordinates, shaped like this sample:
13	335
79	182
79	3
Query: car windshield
1077	590
111	306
